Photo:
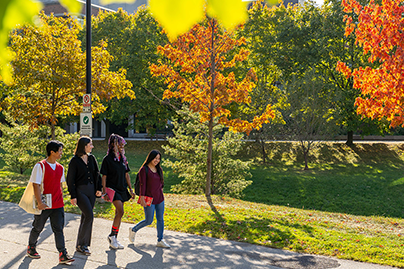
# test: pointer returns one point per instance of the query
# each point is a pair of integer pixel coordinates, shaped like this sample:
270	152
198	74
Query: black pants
57	221
85	201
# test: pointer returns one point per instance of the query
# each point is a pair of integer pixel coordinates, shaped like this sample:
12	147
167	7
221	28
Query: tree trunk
53	136
305	154
210	126
349	140
209	160
264	153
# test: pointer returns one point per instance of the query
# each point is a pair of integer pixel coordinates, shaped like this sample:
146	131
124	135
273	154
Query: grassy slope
348	205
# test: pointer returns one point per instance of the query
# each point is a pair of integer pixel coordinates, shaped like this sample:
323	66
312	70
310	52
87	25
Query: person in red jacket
49	174
151	185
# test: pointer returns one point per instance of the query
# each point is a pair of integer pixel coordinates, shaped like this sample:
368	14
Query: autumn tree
198	71
177	17
379	33
49	74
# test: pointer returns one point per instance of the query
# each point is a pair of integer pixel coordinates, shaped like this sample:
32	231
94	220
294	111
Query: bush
23	147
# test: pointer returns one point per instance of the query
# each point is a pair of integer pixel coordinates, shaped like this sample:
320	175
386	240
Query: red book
111	193
147	199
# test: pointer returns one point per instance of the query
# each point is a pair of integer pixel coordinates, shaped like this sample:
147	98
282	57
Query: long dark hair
150	157
81	144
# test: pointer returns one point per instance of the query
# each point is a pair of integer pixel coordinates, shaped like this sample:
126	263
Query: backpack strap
43	174
146	169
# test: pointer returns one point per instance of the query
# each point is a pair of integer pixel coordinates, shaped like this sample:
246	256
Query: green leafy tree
266	91
302	37
23	147
132	41
309	116
49	74
188	147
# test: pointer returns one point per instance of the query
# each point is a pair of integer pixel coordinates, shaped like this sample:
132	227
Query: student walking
114	170
84	184
151	185
50	174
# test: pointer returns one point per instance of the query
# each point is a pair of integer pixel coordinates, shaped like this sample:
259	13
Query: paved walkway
187	251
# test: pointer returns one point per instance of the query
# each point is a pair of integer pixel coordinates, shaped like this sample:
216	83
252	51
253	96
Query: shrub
23	147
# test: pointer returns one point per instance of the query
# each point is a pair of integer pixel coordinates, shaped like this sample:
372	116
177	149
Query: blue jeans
148	213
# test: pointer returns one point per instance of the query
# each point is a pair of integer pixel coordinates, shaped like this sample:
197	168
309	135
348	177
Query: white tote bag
27	201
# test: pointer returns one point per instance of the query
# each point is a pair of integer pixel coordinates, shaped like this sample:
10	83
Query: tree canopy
132	41
199	72
49	73
379	33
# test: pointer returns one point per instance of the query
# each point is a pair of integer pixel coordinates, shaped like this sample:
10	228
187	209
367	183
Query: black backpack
137	182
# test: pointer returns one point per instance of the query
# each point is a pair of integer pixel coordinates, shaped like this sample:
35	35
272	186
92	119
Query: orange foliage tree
199	73
379	32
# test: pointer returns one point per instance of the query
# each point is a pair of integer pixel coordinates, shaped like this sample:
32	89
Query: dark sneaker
65	258
31	252
83	250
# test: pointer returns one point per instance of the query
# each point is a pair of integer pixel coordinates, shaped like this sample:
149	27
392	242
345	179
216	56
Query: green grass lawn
348	205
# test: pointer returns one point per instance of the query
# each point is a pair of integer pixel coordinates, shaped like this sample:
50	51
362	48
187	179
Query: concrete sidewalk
187	251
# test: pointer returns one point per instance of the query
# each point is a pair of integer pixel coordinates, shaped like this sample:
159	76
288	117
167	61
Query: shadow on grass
366	179
252	230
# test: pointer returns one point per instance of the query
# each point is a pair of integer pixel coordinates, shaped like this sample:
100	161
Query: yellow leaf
73	6
107	2
230	13
177	16
16	12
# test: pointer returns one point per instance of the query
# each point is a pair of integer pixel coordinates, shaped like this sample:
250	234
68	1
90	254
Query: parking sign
87	103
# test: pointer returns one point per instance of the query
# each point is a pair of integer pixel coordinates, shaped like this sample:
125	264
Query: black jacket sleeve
96	174
71	178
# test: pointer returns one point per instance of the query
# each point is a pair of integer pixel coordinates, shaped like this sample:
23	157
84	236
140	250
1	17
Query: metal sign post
86	120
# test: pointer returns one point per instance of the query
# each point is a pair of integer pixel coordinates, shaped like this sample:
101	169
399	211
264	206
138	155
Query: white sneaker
132	235
120	246
162	244
113	243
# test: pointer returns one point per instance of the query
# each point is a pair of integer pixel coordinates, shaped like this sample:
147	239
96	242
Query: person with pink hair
115	175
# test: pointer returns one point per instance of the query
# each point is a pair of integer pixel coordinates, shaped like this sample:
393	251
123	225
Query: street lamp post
86	120
88	46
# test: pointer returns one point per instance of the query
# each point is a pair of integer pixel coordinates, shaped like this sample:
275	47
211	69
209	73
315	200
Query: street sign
87	103
86	124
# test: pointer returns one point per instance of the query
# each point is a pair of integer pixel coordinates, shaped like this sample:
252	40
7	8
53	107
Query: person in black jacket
84	184
115	176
